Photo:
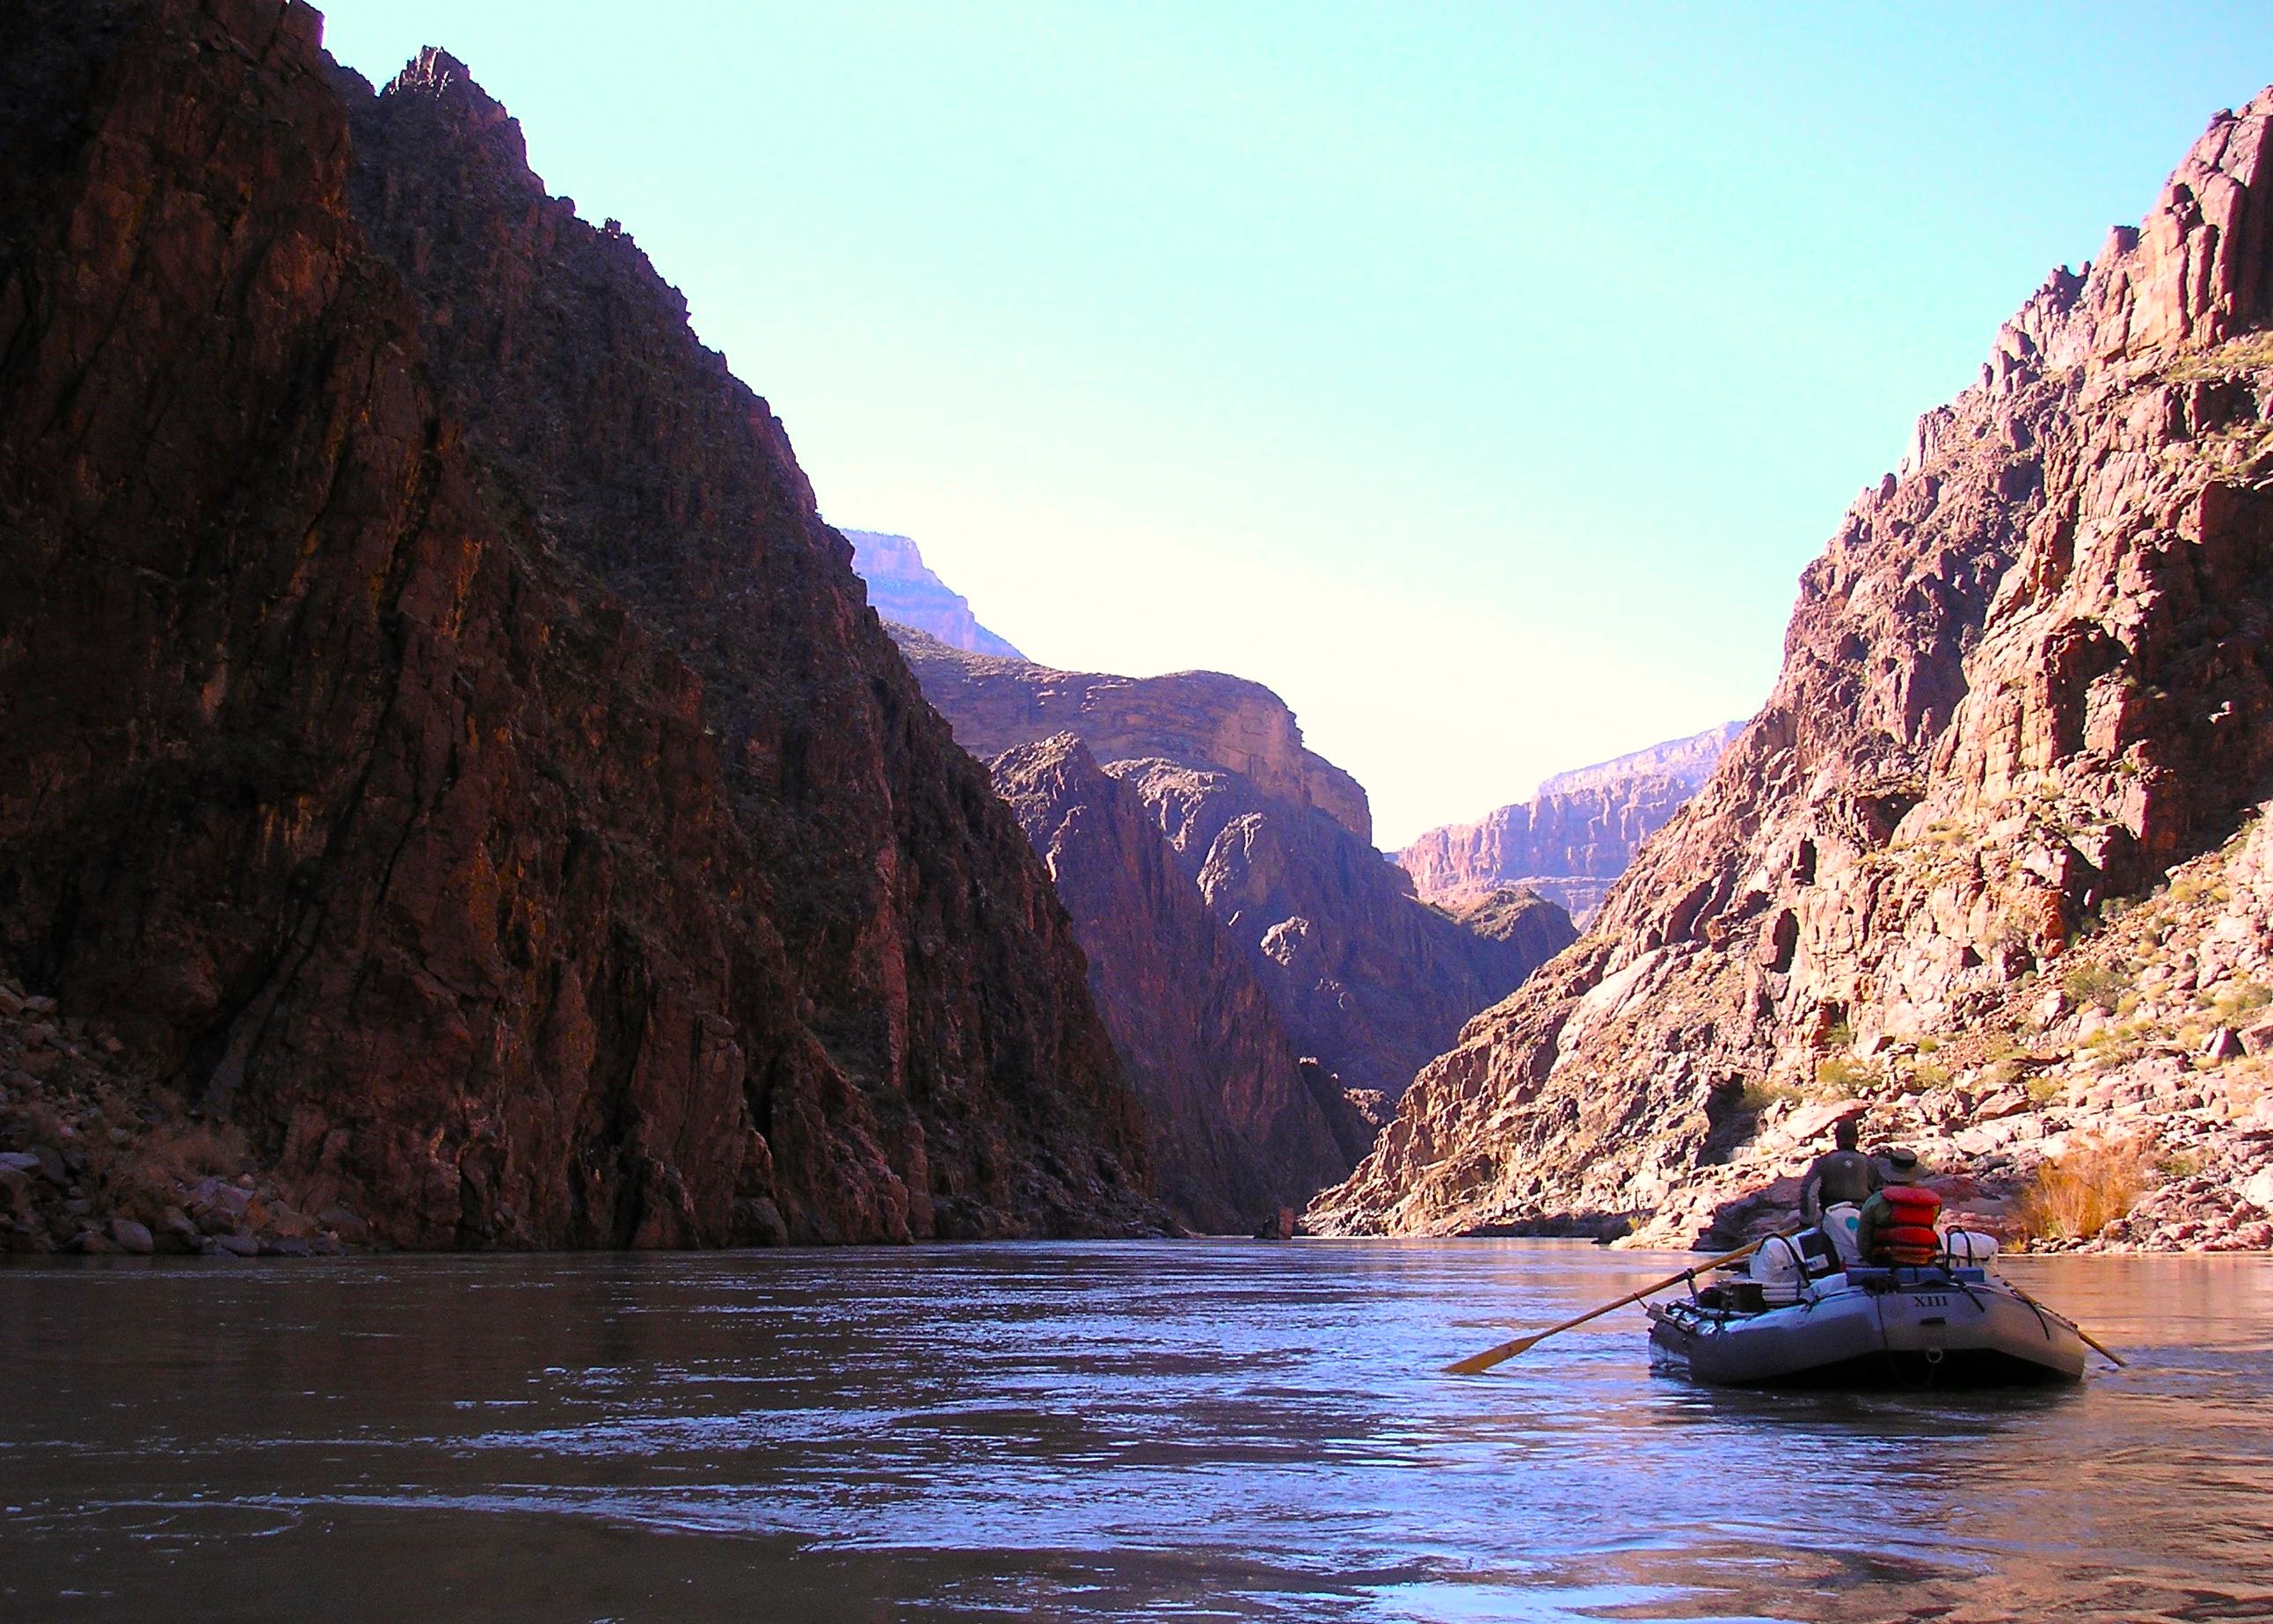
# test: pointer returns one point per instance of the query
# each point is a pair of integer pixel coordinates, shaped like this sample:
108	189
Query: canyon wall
902	589
1366	979
1986	859
1236	1132
438	740
1204	716
1575	836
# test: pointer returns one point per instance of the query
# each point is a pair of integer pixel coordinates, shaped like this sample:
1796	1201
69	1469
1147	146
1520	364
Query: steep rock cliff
1200	716
1236	1133
1575	836
903	589
2029	678
498	807
1367	979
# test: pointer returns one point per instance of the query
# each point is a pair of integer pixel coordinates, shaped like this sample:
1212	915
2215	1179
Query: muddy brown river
1162	1431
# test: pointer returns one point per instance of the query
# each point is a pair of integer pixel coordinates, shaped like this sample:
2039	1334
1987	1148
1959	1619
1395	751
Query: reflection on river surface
1188	1430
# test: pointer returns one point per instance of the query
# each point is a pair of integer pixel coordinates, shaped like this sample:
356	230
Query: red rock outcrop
1575	836
497	806
905	591
1236	1132
2030	678
1203	717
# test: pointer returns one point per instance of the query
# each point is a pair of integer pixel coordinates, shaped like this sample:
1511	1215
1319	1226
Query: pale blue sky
1478	376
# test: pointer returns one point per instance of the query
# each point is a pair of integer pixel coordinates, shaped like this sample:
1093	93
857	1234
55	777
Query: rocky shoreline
94	1160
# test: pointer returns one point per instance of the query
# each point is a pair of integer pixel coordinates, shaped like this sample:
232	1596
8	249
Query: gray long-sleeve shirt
1837	1176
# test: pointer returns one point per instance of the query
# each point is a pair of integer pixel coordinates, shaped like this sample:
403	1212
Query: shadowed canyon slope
1575	836
2030	676
1237	1131
438	733
1365	978
902	589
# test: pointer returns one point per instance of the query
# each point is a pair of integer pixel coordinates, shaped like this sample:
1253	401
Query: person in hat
1843	1174
1900	1169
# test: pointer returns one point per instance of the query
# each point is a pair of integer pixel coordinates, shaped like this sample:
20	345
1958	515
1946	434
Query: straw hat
1902	1165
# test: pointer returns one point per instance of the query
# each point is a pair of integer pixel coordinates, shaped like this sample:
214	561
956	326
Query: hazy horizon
1478	379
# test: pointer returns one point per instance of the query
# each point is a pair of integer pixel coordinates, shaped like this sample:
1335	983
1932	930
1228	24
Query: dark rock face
2031	675
1366	979
1237	1131
903	589
1575	837
496	803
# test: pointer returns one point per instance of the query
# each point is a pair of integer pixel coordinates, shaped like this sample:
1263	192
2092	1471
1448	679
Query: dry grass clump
2249	353
189	1151
2076	1196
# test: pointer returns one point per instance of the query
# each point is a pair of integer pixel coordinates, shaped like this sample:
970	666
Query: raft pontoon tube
1936	1325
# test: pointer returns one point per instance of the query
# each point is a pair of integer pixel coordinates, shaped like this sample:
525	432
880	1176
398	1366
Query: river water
1169	1430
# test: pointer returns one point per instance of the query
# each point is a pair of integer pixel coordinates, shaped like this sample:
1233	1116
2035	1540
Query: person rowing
1844	1175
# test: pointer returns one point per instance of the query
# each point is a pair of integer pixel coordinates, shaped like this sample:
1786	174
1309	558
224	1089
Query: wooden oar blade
1476	1364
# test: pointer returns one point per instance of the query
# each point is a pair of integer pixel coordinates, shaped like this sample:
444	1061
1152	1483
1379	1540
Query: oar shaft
2090	1340
1476	1364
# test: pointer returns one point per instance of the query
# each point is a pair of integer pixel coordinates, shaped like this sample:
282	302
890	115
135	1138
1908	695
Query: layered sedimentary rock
2029	678
903	589
438	738
1236	1131
1687	762
1575	836
1204	716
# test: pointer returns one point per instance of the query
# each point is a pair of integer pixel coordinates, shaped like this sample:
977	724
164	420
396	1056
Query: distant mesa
902	589
1575	836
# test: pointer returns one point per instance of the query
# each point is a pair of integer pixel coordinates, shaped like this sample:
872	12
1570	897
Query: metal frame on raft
1947	1323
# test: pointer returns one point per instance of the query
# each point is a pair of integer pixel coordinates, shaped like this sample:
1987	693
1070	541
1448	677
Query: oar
2112	1357
1476	1365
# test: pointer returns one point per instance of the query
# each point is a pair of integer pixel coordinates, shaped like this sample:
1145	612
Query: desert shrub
190	1151
2087	982
1841	1075
1759	1094
2076	1196
2230	359
2043	1090
1929	1074
2191	888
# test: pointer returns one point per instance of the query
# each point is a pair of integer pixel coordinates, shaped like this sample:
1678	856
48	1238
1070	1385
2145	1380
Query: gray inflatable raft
1934	1326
